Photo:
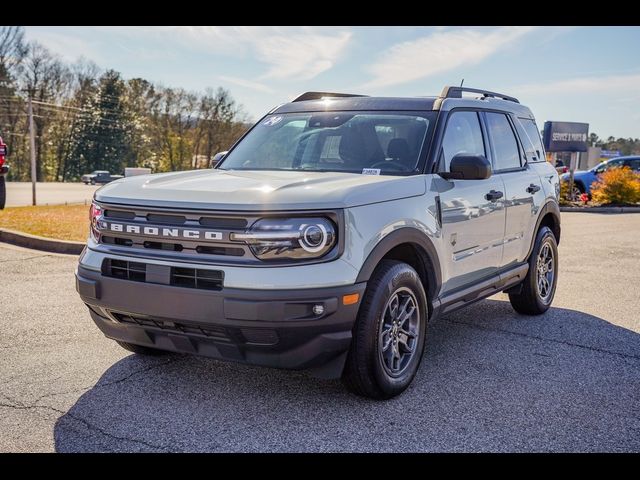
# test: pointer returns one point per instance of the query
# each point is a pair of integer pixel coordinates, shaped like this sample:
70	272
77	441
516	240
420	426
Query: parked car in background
217	158
99	176
582	179
4	169
561	167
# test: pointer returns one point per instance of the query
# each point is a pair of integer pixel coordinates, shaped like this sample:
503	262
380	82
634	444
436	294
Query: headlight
95	213
289	238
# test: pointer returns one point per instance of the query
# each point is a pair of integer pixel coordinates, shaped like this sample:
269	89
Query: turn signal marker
350	299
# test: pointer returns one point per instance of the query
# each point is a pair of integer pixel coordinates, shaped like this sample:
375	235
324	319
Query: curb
601	209
40	243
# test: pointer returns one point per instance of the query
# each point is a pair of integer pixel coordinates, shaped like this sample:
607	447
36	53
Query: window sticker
270	122
370	171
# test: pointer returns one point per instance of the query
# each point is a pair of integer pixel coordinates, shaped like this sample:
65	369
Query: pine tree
103	137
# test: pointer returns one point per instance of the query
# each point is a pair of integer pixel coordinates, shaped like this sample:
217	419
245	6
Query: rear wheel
141	350
389	334
3	192
539	286
577	192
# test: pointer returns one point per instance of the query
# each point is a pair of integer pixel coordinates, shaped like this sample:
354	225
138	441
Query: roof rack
319	95
456	92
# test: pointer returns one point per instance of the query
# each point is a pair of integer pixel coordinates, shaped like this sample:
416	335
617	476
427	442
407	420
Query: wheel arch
549	217
413	247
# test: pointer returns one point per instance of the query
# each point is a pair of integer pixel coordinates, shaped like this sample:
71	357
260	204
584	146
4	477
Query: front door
473	214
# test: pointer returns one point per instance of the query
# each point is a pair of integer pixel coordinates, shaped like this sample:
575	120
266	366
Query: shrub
616	186
565	198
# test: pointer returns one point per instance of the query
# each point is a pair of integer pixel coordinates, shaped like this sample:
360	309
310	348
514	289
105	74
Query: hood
259	190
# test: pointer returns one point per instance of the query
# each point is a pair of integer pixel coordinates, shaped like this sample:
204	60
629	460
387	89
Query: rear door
524	194
472	224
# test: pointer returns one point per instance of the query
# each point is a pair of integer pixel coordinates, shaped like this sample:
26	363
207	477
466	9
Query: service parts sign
566	136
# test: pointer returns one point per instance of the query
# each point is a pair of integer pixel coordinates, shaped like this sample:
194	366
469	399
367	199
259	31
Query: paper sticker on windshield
371	171
270	122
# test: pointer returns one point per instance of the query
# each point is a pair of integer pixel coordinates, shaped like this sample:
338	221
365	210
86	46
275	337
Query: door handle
493	195
533	188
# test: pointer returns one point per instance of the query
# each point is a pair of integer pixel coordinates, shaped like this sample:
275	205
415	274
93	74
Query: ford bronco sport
329	235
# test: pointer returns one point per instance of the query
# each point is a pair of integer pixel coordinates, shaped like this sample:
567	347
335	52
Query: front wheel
389	333
539	286
3	192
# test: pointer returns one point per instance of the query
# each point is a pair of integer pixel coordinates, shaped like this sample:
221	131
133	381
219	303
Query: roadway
491	380
49	193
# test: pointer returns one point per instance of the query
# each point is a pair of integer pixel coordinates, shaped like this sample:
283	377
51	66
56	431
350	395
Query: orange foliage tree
617	186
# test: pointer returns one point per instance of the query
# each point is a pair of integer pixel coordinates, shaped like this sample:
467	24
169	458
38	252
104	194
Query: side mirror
468	167
217	158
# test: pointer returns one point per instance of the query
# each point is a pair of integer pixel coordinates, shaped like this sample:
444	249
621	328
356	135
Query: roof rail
319	95
456	92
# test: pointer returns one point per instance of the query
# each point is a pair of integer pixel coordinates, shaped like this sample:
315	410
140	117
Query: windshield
603	166
384	143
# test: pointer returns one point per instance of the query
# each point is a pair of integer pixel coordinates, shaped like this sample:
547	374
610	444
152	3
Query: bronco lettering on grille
189	234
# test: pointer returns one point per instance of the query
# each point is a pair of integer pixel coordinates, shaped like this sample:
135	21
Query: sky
582	74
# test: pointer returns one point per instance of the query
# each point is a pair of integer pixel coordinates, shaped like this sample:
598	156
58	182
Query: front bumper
274	328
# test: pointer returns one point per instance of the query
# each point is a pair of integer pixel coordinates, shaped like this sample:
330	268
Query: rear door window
634	164
505	146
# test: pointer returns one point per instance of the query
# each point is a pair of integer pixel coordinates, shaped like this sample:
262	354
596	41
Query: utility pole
32	149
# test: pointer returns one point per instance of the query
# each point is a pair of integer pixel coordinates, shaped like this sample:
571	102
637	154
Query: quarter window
532	131
463	135
505	146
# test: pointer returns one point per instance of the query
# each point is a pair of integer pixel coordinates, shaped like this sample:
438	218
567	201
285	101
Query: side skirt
460	298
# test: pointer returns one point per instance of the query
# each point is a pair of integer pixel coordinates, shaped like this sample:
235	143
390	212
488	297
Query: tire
141	350
578	190
530	300
3	192
93	182
367	371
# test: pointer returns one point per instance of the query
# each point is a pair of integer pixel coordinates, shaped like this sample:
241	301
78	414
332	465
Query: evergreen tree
103	135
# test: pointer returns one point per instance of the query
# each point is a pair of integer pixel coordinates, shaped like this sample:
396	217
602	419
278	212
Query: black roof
358	103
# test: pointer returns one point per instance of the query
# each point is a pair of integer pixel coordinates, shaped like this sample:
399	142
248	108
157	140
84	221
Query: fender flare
553	208
399	237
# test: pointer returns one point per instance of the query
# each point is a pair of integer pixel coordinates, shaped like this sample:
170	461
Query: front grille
172	247
127	242
212	331
125	270
119	214
131	233
249	336
197	278
228	251
176	276
166	219
223	222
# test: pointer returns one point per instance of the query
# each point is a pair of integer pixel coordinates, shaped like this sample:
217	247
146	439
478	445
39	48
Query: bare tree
46	79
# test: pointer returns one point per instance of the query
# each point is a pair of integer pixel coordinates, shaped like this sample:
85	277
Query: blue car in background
582	179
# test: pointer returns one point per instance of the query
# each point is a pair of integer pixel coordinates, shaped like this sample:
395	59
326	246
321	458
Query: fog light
318	309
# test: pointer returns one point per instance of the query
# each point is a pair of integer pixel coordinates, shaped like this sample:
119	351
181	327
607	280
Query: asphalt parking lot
49	193
491	380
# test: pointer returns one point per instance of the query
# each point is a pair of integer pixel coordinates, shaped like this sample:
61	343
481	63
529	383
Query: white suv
330	235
